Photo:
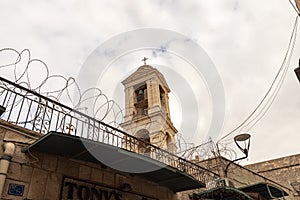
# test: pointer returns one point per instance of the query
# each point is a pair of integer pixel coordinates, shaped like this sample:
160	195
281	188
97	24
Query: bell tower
147	112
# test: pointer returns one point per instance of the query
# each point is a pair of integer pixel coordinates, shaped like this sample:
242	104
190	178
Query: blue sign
15	189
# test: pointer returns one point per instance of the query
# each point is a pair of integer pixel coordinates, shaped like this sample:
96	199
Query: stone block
2	133
19	156
5	194
20	172
162	193
149	189
53	186
136	186
109	178
1	147
67	167
35	158
84	172
97	175
50	162
17	137
38	184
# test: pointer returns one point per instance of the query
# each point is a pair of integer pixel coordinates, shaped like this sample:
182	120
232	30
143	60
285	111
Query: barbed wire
91	101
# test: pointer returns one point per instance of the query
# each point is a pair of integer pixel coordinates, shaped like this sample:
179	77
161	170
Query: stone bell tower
147	112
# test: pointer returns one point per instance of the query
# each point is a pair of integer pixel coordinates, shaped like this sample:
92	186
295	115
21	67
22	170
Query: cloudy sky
245	40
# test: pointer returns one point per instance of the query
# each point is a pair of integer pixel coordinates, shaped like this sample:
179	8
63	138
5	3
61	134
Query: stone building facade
51	151
47	176
285	170
41	176
147	110
238	177
47	152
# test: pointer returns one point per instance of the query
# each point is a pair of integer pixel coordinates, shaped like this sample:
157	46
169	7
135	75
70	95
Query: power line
294	7
282	71
286	61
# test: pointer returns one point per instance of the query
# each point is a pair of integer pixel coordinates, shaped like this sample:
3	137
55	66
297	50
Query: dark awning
225	193
266	190
87	150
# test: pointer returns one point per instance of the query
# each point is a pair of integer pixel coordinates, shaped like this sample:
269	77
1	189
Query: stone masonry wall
283	170
240	176
42	174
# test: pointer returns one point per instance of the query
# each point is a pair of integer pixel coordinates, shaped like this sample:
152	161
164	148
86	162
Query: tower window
162	98
141	100
141	93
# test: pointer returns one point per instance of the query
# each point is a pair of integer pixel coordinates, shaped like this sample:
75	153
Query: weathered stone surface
96	175
108	178
67	167
38	184
1	147
50	162
42	174
20	157
85	172
136	184
5	194
282	170
35	158
149	189
53	186
2	133
17	137
21	172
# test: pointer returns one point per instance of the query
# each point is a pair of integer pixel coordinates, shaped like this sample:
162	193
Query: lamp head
126	187
243	142
297	71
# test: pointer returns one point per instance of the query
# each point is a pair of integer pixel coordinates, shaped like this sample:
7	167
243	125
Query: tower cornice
146	73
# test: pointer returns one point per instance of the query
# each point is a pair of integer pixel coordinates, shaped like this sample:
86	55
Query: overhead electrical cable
273	89
285	67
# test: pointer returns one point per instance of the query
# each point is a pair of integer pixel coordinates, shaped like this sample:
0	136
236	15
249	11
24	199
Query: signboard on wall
15	189
75	189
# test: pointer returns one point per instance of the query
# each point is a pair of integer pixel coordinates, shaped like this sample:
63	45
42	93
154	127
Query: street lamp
126	187
243	139
243	143
297	71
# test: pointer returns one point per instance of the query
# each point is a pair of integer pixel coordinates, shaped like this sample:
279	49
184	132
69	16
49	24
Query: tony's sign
73	189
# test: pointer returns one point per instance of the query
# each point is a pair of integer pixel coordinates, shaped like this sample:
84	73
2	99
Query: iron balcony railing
41	114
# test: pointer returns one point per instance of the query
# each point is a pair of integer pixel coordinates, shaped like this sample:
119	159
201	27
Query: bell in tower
147	112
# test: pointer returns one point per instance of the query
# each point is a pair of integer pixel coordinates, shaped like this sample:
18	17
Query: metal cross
70	128
144	59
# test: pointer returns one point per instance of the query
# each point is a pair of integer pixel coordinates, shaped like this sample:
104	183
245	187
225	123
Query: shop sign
74	189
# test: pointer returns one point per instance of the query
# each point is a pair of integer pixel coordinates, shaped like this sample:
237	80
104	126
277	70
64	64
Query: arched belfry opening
141	100
143	146
147	107
170	142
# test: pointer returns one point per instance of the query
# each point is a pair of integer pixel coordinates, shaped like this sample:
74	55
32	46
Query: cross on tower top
144	59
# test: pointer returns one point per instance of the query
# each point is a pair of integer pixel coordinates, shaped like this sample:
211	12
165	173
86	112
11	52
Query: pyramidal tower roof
144	73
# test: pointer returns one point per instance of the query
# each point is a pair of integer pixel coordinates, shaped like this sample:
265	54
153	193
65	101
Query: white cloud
246	40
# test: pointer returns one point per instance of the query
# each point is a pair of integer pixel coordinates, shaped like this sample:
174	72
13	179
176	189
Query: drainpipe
8	152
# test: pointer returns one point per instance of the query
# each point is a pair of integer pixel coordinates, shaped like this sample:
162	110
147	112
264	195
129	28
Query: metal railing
35	112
